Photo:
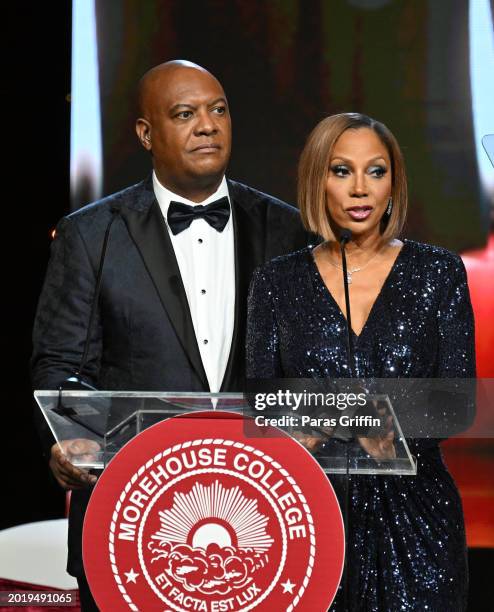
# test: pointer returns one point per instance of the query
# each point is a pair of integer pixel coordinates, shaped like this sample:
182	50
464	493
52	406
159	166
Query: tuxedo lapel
148	230
248	228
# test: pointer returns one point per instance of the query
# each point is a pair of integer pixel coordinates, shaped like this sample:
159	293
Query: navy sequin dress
407	541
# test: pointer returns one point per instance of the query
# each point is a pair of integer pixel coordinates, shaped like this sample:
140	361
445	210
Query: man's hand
67	475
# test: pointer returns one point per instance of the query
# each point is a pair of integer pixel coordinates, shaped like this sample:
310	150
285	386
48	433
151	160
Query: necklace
353	270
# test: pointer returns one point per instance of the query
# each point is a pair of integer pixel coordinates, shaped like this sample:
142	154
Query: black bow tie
180	216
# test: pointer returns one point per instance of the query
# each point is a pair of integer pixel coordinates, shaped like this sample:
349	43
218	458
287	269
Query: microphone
75	381
345	237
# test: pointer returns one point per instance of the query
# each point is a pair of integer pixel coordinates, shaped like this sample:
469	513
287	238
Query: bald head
185	123
161	76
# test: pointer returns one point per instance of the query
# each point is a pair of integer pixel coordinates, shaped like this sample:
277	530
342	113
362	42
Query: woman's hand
380	447
309	441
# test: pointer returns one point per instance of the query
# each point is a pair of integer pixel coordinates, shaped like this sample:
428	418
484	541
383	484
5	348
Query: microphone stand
345	237
75	381
97	291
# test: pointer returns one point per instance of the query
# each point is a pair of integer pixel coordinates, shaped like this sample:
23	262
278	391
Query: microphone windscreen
345	234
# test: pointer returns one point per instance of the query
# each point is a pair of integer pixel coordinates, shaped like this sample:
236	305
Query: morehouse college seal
181	520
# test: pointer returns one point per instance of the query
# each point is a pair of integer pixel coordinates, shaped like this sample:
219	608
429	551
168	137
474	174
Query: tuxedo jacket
142	337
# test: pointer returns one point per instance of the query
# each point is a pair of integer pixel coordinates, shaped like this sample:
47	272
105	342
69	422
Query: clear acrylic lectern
92	426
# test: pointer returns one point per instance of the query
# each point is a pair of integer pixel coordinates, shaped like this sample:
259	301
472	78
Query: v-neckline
378	297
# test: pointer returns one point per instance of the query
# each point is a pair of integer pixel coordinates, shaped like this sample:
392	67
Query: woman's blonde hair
313	171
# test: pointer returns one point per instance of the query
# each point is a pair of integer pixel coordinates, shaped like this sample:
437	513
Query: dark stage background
287	64
284	64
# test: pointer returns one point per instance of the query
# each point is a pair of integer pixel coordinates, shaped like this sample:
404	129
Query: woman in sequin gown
411	317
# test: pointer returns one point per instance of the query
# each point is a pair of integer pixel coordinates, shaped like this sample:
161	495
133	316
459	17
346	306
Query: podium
92	426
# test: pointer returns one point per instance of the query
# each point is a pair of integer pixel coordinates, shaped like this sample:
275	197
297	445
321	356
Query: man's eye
184	115
219	110
377	171
340	170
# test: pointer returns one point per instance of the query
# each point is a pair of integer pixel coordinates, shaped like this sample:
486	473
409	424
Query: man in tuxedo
181	248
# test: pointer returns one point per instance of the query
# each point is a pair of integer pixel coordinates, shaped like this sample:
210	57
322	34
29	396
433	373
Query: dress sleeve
456	354
263	350
451	404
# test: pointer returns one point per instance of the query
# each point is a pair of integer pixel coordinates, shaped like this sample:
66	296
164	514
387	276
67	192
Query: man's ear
143	131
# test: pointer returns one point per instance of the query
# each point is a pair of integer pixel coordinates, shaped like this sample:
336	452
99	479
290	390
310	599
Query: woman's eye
377	171
340	170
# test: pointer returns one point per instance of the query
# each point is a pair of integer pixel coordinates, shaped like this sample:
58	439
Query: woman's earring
390	207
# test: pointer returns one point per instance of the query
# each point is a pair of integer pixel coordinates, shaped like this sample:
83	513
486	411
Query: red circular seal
184	522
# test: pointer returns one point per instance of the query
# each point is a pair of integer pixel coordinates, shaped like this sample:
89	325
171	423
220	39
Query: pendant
349	277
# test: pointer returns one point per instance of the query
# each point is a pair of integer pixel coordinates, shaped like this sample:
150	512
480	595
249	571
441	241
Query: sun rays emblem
212	539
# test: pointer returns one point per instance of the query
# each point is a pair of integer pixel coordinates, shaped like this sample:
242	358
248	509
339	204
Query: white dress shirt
206	259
